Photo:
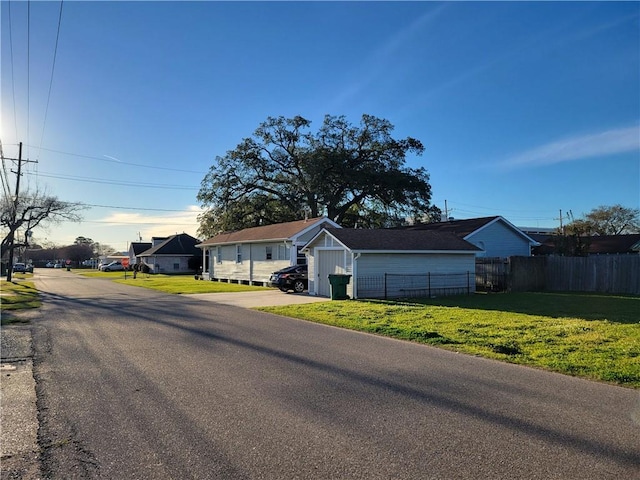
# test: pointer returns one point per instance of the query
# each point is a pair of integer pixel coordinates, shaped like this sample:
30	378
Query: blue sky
525	109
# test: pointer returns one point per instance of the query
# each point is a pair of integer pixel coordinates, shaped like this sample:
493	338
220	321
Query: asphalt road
134	384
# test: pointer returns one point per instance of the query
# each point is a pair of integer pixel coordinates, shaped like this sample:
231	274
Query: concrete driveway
268	298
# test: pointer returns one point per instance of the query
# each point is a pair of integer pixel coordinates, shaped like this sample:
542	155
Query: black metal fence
395	285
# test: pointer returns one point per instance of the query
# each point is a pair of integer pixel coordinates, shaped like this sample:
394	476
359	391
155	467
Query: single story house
175	254
495	236
135	249
391	262
251	255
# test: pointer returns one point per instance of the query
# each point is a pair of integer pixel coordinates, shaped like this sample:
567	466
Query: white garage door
329	261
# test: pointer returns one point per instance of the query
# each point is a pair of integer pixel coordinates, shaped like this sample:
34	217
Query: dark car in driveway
291	278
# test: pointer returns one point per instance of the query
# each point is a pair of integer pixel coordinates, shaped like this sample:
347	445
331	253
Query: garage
385	263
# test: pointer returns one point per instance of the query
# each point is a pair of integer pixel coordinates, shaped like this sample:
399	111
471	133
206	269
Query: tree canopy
28	211
355	175
606	220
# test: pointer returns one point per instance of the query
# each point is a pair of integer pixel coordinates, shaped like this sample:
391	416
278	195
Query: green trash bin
339	286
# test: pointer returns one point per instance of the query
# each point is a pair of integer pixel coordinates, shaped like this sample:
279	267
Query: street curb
19	450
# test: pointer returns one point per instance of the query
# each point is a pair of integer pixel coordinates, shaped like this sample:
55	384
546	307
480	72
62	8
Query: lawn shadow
587	306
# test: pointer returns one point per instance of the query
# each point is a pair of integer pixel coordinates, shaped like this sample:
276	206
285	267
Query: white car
111	267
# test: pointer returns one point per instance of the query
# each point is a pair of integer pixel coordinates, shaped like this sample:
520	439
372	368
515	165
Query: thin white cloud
378	64
609	142
157	225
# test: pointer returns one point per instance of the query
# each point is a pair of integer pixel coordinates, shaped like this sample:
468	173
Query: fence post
385	286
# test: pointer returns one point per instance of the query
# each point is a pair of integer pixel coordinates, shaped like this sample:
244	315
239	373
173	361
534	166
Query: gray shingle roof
397	240
462	228
140	247
181	244
278	231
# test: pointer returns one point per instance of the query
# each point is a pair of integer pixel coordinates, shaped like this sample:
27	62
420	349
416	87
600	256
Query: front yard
592	336
170	283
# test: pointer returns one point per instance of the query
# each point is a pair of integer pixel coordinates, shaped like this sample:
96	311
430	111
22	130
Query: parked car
112	267
19	268
50	265
291	278
57	265
28	268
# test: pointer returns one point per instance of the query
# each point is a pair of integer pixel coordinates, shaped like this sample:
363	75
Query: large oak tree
355	175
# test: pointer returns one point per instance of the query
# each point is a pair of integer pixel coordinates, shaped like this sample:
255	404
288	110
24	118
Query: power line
53	66
28	69
93	157
13	83
115	182
138	208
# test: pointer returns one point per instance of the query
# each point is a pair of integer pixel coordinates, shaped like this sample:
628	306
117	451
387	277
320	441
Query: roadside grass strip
177	284
17	295
593	336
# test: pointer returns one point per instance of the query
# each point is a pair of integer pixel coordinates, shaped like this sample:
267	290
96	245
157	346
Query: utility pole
14	213
561	227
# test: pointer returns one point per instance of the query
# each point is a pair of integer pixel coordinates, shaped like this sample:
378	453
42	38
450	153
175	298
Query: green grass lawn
179	284
588	335
17	295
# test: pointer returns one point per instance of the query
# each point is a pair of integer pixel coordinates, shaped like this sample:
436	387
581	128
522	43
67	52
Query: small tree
29	211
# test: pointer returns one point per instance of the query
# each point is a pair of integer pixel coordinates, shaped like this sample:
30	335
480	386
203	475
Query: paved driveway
268	298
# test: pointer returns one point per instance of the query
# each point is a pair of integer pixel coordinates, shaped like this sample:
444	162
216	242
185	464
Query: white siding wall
498	240
254	268
167	264
414	274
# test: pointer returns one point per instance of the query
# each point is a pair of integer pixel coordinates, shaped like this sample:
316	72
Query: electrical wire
5	175
114	182
28	69
53	67
138	208
13	83
93	157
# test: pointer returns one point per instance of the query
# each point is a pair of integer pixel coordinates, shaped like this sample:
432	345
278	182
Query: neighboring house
251	255
135	249
175	254
495	236
391	263
596	245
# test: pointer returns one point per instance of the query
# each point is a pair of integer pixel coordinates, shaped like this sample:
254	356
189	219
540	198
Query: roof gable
140	247
276	231
181	244
398	240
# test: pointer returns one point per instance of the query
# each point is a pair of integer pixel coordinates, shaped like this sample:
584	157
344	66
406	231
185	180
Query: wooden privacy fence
600	273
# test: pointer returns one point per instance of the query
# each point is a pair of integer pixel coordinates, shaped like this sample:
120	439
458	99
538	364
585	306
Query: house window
218	254
238	253
176	267
284	252
268	253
